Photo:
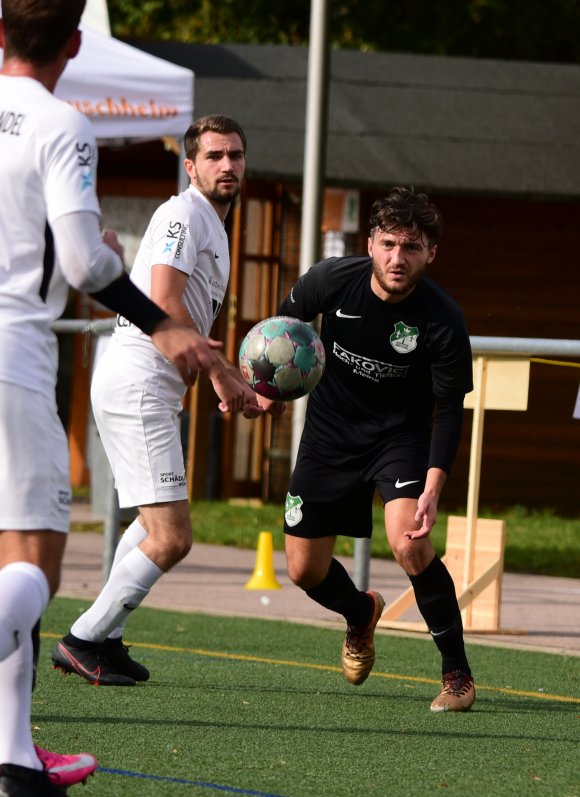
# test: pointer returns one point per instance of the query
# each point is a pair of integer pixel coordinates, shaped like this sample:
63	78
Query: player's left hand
273	408
234	393
235	396
426	515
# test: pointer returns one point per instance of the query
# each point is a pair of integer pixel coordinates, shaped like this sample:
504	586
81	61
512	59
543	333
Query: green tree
535	30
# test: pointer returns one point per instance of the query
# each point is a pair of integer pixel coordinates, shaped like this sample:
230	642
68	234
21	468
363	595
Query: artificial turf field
260	707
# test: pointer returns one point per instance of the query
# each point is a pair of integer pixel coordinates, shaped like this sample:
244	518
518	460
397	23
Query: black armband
446	435
125	298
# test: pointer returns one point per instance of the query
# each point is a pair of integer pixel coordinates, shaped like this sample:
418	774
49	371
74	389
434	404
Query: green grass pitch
259	707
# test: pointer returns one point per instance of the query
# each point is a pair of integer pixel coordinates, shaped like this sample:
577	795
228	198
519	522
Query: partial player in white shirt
183	264
50	238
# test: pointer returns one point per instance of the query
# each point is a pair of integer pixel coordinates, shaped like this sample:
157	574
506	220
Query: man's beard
219	197
398	290
223	199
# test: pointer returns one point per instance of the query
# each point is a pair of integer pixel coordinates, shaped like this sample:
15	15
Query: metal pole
314	157
530	346
182	176
362	562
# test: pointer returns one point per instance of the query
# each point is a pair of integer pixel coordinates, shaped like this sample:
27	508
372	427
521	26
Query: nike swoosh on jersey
340	314
399	484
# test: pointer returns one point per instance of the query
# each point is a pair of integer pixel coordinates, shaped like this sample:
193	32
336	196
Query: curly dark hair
403	209
213	124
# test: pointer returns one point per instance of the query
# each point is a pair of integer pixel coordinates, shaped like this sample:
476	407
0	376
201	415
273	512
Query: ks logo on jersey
175	237
404	338
172	236
86	162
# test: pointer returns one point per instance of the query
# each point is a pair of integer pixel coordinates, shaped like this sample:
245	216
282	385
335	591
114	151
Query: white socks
133	536
24	595
129	583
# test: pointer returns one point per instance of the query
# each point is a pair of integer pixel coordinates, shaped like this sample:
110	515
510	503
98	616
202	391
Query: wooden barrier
480	598
475	546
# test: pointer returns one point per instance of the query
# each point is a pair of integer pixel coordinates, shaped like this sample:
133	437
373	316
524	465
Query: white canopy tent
96	16
128	94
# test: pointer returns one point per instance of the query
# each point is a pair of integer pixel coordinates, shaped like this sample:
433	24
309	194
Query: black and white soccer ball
282	358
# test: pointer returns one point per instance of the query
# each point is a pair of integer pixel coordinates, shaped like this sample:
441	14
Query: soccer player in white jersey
50	238
183	264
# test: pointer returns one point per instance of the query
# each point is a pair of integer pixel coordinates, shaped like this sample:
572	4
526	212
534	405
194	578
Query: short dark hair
215	123
403	209
37	30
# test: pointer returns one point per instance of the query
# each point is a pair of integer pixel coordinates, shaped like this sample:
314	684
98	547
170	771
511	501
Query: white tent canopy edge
128	94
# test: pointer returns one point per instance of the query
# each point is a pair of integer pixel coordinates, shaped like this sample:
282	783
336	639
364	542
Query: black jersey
386	363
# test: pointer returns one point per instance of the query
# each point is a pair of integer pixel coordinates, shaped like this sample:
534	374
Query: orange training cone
264	576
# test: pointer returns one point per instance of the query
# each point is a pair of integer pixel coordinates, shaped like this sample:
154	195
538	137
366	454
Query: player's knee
178	548
304	574
167	546
411	557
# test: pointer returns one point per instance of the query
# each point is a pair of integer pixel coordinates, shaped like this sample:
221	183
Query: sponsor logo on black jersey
86	155
175	238
170	477
11	123
370	369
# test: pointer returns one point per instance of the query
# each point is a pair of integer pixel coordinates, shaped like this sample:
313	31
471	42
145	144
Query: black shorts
325	500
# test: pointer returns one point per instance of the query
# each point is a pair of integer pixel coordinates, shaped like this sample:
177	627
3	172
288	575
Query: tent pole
182	176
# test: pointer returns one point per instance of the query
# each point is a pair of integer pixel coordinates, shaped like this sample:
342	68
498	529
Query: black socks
437	602
338	593
75	642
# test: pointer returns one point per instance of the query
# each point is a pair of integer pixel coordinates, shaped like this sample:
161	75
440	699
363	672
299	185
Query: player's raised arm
92	262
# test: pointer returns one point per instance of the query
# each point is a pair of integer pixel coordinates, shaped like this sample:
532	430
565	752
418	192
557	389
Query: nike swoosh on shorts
399	484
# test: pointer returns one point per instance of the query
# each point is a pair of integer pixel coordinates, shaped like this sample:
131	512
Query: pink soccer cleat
66	770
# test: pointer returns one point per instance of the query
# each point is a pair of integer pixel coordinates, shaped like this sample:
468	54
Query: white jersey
47	150
184	233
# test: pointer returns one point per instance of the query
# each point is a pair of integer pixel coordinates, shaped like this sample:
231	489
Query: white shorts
141	434
34	463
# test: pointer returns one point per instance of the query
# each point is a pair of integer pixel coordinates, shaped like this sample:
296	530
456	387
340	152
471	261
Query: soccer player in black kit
387	414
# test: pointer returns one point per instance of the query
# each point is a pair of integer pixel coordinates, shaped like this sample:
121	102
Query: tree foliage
535	30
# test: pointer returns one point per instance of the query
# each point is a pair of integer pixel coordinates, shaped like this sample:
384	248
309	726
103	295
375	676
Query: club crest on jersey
404	338
292	510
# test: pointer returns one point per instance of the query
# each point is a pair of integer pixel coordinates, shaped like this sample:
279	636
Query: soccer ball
282	358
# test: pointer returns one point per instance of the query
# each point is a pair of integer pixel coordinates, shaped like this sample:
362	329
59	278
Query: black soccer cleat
16	781
117	655
88	662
